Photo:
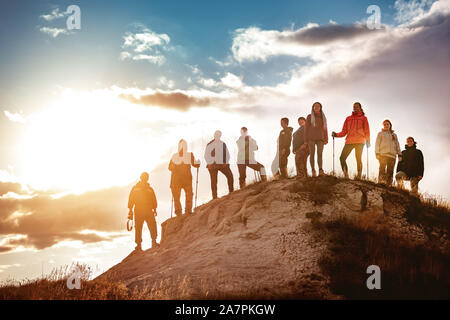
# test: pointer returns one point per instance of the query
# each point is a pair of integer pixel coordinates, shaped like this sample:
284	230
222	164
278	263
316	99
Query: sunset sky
84	112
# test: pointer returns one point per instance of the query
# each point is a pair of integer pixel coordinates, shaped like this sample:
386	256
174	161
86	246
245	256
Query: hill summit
298	239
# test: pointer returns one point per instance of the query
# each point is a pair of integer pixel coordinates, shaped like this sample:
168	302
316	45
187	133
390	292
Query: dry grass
407	271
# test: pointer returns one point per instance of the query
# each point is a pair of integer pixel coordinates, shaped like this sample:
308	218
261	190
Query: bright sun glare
83	141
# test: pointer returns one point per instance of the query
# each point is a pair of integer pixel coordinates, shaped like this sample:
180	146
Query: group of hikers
307	141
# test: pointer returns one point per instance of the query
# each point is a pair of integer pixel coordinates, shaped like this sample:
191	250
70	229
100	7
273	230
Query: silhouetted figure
142	198
180	166
246	157
386	150
284	147
410	166
300	148
356	128
316	134
217	159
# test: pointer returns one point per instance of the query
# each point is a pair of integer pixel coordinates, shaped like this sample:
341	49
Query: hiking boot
155	244
313	173
321	173
138	248
263	178
346	175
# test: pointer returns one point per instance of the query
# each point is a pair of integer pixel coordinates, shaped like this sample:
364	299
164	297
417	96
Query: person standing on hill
246	157
284	147
386	150
181	178
357	132
217	159
316	134
410	166
300	148
143	200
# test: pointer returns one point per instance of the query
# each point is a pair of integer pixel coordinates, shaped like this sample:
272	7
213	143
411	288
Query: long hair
313	117
390	128
360	106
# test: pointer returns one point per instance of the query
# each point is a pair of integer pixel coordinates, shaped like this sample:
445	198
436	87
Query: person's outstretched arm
195	163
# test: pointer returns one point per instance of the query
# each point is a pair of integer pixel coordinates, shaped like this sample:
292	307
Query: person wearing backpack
387	149
357	132
316	135
217	159
143	200
410	166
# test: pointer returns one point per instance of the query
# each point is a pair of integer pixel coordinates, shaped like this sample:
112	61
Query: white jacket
243	154
387	144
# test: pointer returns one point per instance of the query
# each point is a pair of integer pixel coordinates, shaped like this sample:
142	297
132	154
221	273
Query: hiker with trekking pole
357	132
181	177
217	159
143	201
246	158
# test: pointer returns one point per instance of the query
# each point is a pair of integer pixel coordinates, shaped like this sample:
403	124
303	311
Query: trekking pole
367	163
196	187
333	159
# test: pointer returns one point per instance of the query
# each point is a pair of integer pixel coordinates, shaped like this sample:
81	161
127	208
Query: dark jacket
317	132
412	162
298	138
284	140
210	153
142	198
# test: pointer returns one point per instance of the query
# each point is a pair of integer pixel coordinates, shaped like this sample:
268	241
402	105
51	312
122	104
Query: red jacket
356	128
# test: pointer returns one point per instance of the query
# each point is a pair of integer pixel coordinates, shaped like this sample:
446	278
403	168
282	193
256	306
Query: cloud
42	221
232	81
14	117
6	187
145	45
54	32
125	55
253	44
175	100
409	10
159	60
55	14
163	81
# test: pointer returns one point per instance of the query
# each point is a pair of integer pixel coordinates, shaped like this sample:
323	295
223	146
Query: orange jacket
356	128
